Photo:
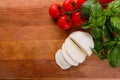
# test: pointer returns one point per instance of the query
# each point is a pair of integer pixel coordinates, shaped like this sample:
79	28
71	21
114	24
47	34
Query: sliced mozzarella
68	58
73	50
84	41
61	61
89	38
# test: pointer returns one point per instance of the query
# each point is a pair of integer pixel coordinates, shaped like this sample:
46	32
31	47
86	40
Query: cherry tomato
104	1
69	5
55	11
77	20
110	1
64	22
80	2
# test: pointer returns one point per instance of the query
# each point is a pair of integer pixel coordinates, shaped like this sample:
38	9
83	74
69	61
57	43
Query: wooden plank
28	50
44	32
47	68
76	79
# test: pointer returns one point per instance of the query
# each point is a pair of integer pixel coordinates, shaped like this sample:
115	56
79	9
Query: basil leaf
92	19
100	21
86	7
108	25
117	38
87	25
96	32
114	6
118	43
108	45
107	12
115	23
111	5
96	10
106	33
114	57
98	43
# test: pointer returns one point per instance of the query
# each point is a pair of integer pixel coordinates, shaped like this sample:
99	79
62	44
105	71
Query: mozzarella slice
68	58
84	41
89	38
61	61
73	51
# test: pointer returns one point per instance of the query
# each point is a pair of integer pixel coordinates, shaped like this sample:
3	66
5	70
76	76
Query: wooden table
29	39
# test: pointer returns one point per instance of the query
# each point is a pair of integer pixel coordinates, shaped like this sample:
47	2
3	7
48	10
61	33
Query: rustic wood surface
29	39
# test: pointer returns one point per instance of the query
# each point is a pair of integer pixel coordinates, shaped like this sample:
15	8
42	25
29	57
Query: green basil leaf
117	38
100	21
86	25
108	45
115	23
107	12
108	24
86	7
114	57
106	32
92	19
98	43
114	6
118	43
110	5
96	32
96	10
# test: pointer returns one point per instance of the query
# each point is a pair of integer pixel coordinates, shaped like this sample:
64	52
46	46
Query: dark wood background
29	39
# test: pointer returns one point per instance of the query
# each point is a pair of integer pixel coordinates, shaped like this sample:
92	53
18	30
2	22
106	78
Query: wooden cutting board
29	39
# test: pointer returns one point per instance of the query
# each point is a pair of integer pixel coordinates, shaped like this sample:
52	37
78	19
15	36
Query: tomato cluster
69	13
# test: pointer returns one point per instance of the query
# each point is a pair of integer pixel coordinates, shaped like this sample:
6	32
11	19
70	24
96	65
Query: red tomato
104	1
77	20
55	11
110	1
64	22
69	5
80	2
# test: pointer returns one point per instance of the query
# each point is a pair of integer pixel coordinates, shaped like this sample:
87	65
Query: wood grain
29	39
77	79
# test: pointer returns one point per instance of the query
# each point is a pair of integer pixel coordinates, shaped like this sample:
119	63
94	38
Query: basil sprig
104	25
